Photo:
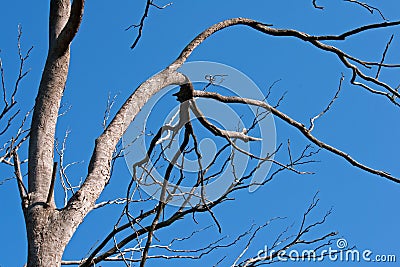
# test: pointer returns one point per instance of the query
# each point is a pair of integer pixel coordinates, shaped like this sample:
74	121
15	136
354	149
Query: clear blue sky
365	207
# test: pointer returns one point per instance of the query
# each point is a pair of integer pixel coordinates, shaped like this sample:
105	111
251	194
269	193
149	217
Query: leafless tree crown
134	239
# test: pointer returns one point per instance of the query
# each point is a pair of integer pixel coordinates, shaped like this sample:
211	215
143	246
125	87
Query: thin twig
367	7
383	56
329	105
314	2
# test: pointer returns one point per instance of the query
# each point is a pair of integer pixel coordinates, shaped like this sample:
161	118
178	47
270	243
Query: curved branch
392	93
303	129
274	32
315	5
370	8
99	167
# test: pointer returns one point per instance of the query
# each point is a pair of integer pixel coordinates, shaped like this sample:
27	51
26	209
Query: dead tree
50	228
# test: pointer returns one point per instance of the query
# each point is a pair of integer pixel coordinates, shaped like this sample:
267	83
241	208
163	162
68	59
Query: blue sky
364	206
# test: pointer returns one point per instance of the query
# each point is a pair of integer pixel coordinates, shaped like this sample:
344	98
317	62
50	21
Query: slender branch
118	201
280	246
355	31
163	201
370	8
109	106
384	56
22	73
161	7
3	84
140	26
22	60
298	126
220	132
329	105
314	2
23	192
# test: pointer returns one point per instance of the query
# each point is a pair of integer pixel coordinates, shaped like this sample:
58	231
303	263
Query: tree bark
46	235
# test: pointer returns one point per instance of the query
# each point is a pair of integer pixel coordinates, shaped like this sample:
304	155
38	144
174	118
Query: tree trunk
47	237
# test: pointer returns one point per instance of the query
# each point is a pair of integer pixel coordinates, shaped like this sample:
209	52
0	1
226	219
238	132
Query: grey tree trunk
47	236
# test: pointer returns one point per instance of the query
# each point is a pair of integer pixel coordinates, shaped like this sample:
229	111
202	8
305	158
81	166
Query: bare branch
66	108
297	239
9	122
383	56
110	104
162	202
140	26
370	8
314	2
23	192
3	84
355	31
117	201
161	7
329	105
314	40
219	132
165	223
22	60
250	241
297	125
10	103
64	179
